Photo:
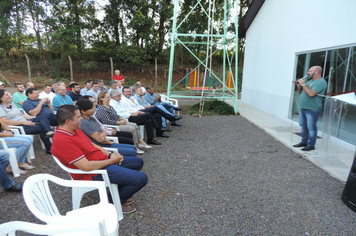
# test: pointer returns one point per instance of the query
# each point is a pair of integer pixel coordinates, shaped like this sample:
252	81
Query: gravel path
218	175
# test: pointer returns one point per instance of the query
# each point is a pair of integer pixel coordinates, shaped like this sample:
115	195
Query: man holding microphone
310	106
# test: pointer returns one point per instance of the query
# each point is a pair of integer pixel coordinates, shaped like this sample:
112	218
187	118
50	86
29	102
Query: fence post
71	68
156	73
112	68
28	68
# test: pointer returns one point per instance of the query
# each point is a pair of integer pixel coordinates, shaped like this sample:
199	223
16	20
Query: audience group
76	125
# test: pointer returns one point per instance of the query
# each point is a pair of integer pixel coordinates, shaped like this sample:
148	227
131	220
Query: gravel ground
217	175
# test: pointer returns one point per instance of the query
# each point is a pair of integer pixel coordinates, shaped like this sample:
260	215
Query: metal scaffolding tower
220	83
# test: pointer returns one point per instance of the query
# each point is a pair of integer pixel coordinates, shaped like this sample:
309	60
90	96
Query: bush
215	106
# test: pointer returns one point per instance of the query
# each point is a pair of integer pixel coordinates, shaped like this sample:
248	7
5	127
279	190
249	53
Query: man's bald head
315	72
317	69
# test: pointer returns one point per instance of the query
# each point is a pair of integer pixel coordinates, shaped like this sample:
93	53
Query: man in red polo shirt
75	150
118	77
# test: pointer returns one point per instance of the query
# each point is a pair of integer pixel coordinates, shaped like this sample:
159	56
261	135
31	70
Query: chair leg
13	161
77	195
42	145
114	191
142	131
30	155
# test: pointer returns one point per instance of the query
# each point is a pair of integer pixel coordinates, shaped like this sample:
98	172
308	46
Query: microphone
305	76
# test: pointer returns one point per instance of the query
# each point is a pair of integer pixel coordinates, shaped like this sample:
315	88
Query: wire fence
45	71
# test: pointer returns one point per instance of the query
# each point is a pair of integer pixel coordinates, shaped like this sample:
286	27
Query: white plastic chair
115	127
22	131
39	201
78	229
173	102
77	193
13	159
31	152
111	138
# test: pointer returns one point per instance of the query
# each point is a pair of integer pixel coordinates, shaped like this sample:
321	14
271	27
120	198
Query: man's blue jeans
167	108
123	149
5	180
307	121
127	176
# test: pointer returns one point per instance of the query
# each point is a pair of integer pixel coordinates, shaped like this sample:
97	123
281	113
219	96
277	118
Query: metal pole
28	68
71	69
236	63
171	60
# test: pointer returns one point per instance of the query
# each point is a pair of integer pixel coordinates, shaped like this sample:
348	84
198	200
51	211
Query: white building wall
280	30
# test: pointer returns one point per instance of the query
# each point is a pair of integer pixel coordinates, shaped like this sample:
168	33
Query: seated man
94	91
81	153
118	77
19	97
138	117
84	91
39	107
155	111
61	97
54	86
74	92
102	87
47	93
113	86
155	100
30	85
138	82
142	101
6	182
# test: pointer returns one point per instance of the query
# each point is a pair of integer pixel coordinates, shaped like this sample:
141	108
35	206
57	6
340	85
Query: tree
244	5
71	25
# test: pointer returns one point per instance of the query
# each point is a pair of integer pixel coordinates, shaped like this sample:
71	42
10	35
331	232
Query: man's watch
303	85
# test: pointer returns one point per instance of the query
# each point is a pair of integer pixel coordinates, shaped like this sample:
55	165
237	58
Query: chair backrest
39	200
38	197
80	229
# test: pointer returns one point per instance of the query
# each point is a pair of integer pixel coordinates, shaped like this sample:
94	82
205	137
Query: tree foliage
132	31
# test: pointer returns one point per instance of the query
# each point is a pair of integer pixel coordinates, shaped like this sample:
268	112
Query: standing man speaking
310	106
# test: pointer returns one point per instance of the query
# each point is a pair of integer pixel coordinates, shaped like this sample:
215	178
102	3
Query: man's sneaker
308	148
300	145
127	209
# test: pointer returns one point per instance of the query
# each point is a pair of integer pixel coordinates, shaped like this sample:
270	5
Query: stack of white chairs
39	201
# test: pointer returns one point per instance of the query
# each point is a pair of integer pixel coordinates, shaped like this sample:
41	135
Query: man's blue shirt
58	100
29	105
149	98
142	103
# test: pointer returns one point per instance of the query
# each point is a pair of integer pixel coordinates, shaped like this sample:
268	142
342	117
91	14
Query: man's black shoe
154	142
162	135
177	108
300	145
178	117
165	129
308	148
16	188
176	125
